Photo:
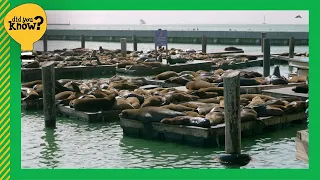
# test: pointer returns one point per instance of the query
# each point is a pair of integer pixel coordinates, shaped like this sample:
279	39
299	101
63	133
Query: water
190	27
75	144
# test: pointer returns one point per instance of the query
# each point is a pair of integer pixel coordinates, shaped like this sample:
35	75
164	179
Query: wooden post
48	86
231	81
263	36
45	43
135	47
123	47
266	57
83	41
204	44
291	47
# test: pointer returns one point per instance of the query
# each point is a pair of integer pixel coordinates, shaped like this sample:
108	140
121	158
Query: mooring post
231	81
135	46
123	47
266	57
45	42
204	44
48	89
263	36
291	47
83	41
233	156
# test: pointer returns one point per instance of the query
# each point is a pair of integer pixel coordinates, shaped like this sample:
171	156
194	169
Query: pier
183	37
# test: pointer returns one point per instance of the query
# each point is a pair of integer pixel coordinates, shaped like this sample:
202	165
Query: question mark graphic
39	23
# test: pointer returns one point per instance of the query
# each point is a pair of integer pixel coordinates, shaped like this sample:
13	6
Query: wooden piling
45	42
291	47
48	89
204	44
135	45
123	42
83	41
266	57
231	81
263	36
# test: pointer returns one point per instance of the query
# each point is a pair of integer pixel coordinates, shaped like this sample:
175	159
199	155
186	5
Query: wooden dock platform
222	52
253	89
302	145
191	65
72	72
198	136
90	117
35	104
285	92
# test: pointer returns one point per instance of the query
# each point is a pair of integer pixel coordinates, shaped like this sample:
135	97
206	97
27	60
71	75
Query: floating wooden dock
302	145
162	83
222	52
198	136
35	104
285	92
90	117
72	72
194	65
254	89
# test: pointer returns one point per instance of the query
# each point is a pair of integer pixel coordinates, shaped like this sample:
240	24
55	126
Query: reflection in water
49	151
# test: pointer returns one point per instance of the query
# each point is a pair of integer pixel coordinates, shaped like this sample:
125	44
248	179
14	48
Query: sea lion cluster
200	79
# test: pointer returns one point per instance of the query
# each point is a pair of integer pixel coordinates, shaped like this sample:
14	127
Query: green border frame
10	82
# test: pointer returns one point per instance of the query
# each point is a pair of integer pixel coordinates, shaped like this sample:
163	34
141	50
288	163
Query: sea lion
177	80
196	85
198	122
31	95
249	74
203	94
153	101
166	75
276	78
31	84
215	116
178	107
256	101
231	48
210	100
251	96
179	120
245	82
193	114
179	97
63	95
136	95
205	109
301	89
248	114
98	94
33	64
122	104
218	90
149	114
290	99
134	101
265	111
94	105
297	79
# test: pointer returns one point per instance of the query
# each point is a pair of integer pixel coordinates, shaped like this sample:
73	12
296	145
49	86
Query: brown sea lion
122	104
153	101
31	84
187	121
94	105
99	94
265	111
166	75
251	96
297	79
177	80
248	114
32	95
196	85
218	90
134	101
178	107
179	97
33	64
301	89
203	94
193	114
205	109
179	120
256	101
210	100
149	114
215	116
290	99
63	95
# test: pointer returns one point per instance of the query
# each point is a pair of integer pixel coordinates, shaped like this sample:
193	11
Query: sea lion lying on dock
245	82
301	89
276	78
94	104
166	75
215	116
196	85
187	121
149	114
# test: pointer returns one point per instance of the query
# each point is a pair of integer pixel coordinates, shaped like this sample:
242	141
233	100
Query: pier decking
72	72
302	145
285	92
200	136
